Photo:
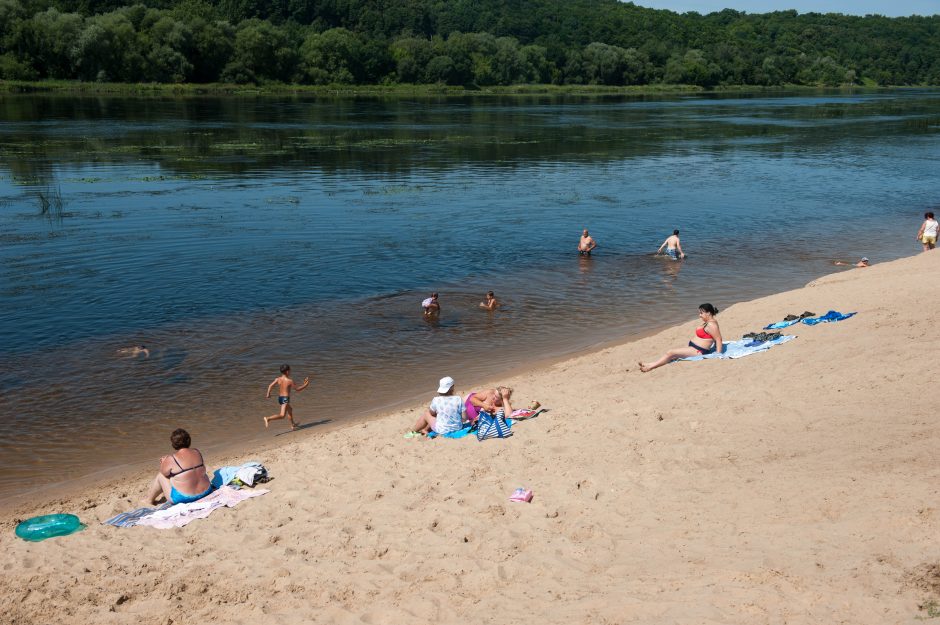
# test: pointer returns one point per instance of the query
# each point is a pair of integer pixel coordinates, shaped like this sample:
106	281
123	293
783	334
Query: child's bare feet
265	422
294	426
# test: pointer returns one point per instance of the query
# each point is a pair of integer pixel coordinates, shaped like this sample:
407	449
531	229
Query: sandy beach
799	485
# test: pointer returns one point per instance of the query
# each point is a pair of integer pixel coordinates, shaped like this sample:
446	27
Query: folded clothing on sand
789	320
247	473
742	348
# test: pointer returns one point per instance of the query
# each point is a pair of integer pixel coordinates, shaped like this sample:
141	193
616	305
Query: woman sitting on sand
707	340
182	477
488	400
444	415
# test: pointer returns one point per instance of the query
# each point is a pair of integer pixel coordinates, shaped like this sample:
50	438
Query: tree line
456	42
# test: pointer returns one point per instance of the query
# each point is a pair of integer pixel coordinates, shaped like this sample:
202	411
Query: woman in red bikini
707	340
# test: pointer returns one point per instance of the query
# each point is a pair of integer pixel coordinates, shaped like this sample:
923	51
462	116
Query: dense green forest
456	42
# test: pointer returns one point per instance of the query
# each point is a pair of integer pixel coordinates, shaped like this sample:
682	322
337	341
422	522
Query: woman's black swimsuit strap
182	470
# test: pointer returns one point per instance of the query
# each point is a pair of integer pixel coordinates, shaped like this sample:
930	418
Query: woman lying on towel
488	400
707	340
182	477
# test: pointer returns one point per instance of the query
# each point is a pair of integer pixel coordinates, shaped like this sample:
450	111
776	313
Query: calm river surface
231	235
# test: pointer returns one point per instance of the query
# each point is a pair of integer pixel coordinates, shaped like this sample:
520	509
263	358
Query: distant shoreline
419	90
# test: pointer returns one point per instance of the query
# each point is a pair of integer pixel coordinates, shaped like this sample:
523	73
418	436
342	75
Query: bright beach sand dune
795	486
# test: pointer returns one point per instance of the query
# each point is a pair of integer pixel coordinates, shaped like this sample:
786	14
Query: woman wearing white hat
444	415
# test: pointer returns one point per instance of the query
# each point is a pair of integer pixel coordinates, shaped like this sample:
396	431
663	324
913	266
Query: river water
233	234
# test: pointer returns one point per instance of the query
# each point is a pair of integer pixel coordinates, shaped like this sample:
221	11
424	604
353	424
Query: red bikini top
702	334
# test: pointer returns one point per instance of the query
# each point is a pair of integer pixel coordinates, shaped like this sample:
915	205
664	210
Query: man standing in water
673	247
587	244
284	385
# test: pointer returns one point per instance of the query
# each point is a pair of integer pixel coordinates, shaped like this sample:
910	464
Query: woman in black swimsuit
182	477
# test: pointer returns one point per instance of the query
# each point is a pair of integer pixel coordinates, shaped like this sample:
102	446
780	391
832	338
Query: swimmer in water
587	243
133	352
489	302
673	247
432	309
862	263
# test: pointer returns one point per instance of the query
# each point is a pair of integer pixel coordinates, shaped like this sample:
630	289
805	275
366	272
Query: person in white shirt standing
927	234
444	415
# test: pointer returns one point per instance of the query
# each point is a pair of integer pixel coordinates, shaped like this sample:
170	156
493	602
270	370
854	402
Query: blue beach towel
830	316
744	347
461	432
781	324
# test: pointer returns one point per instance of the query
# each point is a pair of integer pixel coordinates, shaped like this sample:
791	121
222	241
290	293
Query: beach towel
182	514
465	430
829	317
130	519
742	348
781	324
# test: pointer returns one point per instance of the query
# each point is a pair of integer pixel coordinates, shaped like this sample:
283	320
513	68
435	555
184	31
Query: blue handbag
492	426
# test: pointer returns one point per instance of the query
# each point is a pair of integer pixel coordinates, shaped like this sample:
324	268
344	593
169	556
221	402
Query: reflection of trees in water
234	135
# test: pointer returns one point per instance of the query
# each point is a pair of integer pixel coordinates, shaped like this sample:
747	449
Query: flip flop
413	435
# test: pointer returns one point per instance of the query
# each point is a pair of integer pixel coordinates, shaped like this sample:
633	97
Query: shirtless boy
673	247
284	385
587	244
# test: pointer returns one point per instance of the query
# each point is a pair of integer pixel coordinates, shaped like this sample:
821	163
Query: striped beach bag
492	426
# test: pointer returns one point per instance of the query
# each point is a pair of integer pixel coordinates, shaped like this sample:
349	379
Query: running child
284	385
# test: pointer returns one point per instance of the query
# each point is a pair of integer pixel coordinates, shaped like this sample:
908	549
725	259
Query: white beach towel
742	348
183	513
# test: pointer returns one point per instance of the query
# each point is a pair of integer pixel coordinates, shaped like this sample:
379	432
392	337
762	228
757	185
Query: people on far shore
927	234
864	262
587	243
444	415
707	340
182	477
431	307
133	352
284	385
489	301
673	247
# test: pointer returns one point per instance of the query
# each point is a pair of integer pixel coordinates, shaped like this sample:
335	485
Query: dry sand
794	486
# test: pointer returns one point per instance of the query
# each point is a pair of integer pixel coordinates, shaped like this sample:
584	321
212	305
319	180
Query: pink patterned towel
182	513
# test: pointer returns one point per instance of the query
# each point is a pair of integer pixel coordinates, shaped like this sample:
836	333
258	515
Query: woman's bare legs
159	486
672	354
425	423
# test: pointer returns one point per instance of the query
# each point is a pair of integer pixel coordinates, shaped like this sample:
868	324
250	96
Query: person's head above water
285	369
490	294
928	215
433	295
709	309
864	260
675	232
585	233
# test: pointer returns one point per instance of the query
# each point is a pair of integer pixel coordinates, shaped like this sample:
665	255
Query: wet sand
798	485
